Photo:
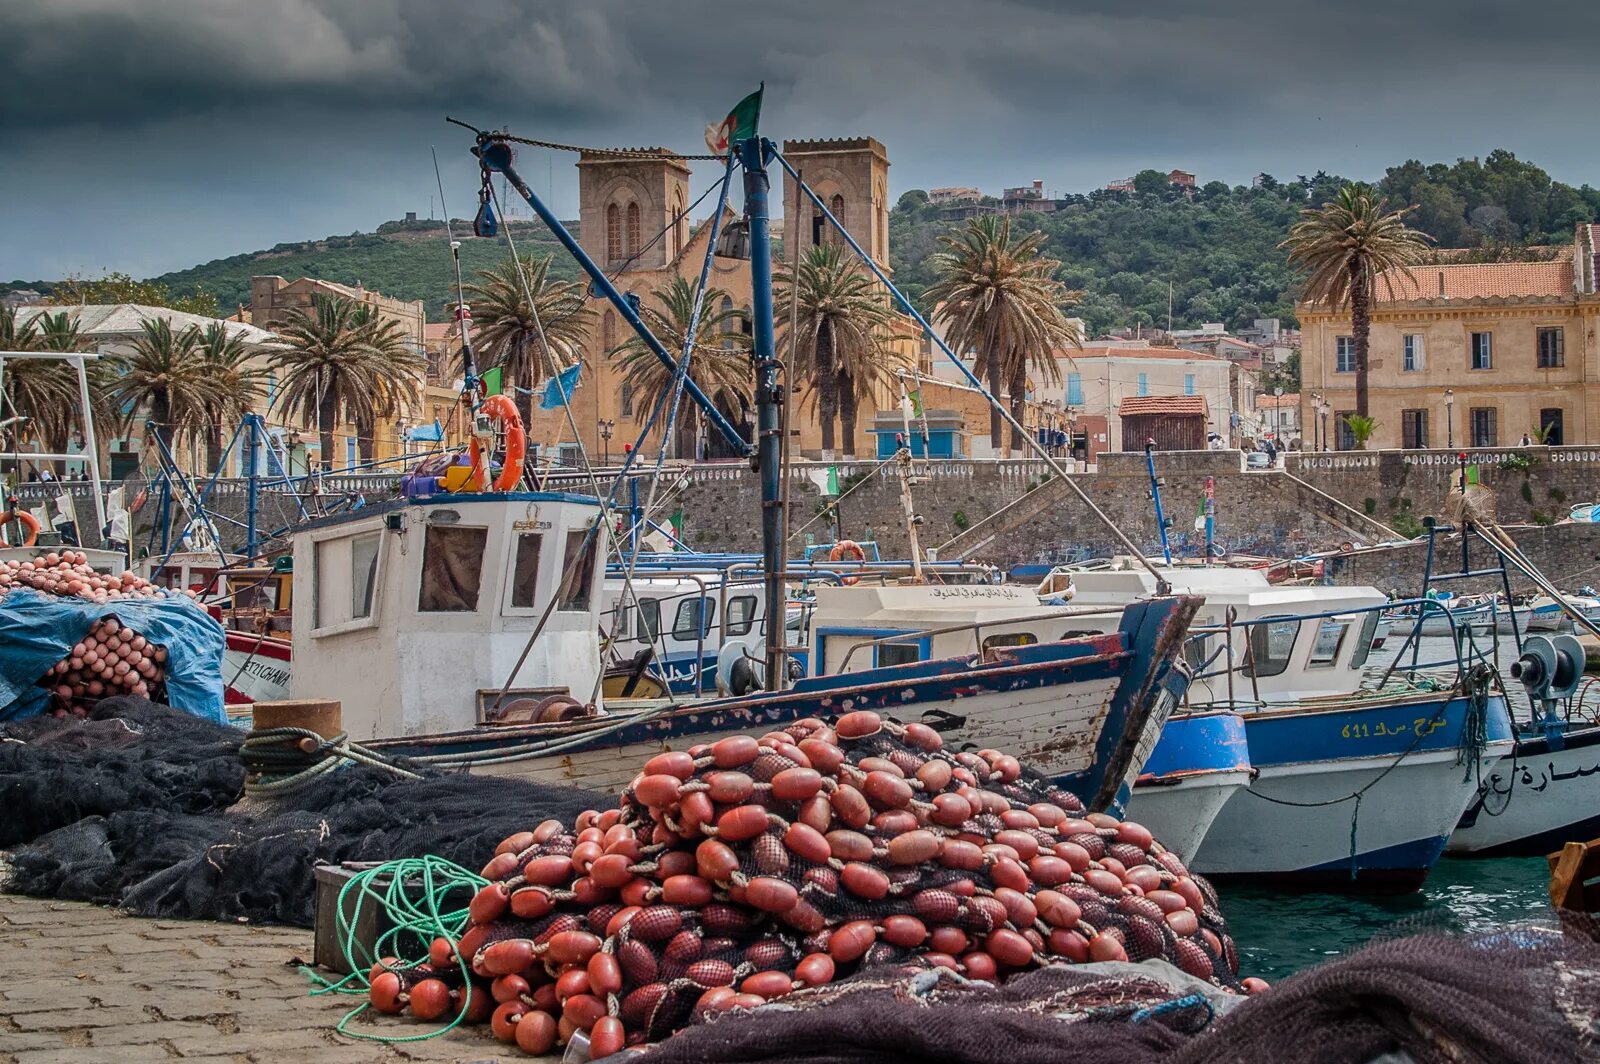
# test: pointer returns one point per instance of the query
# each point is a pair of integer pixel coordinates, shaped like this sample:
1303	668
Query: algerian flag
493	381
833	481
916	402
738	126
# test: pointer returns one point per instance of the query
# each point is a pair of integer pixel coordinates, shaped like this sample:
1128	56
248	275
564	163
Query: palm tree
998	296
336	368
720	366
507	332
396	388
842	321
230	361
1345	247
165	374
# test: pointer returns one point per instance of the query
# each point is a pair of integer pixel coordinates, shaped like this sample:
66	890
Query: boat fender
26	520
852	549
501	409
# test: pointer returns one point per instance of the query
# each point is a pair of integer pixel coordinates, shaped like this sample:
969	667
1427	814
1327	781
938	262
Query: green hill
1217	246
406	260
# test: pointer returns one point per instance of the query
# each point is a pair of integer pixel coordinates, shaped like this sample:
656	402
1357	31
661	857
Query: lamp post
607	427
1277	415
1449	418
1316	437
1323	409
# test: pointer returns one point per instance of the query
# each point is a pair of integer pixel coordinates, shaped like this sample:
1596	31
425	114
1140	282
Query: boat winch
1551	668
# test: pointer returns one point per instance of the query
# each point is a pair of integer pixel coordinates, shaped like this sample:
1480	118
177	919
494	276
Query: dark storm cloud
292	118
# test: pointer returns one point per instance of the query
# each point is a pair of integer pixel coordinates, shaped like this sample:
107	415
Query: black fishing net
141	807
1518	997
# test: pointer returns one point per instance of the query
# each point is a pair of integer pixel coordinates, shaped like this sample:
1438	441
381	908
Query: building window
1552	348
1485	428
627	399
1074	389
1188	384
1414	429
632	242
1552	422
1346	440
677	223
350	453
836	206
613	233
1414	353
1482	350
1144	384
1344	354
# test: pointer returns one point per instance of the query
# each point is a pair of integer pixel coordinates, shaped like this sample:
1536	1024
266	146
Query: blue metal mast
754	154
1155	496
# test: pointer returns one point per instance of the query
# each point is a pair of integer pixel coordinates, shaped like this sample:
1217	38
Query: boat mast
903	460
754	154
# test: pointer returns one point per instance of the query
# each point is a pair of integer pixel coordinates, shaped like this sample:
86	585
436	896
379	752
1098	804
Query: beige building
1468	355
1100	379
272	301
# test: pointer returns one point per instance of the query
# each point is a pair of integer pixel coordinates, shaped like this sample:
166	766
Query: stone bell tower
850	175
625	200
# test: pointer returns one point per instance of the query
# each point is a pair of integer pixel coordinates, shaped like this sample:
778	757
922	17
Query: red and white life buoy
504	411
852	549
24	518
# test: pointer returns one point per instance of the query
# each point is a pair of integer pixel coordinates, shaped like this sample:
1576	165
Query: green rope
408	894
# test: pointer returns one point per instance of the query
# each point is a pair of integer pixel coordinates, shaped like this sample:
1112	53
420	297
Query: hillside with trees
1219	245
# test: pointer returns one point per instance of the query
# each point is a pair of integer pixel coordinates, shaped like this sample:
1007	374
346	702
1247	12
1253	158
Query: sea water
1280	933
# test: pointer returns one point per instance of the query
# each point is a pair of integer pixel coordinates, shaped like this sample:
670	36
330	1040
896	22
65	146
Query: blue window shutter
1144	384
350	453
1074	389
1188	384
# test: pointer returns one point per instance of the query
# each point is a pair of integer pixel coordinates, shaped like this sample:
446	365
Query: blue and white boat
1349	785
414	613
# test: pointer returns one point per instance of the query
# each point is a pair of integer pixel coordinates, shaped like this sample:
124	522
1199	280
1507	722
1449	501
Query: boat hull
1201	761
255	668
1535	800
1299	823
1085	711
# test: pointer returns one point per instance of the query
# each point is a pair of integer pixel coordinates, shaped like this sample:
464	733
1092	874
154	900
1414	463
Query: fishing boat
1349	785
1445	616
436	598
1533	613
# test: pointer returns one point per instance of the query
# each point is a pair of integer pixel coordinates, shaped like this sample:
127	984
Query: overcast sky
150	135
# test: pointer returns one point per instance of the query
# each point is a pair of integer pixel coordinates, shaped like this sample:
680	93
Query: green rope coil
409	894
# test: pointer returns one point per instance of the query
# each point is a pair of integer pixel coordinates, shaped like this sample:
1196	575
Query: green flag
916	402
739	125
493	383
833	481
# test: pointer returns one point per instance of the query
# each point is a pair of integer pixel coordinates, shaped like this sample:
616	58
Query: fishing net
140	806
739	872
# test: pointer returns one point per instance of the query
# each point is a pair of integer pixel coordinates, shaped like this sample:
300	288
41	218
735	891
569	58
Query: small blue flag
560	387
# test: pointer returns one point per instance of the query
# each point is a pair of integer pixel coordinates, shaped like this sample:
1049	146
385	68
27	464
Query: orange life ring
30	522
852	548
503	410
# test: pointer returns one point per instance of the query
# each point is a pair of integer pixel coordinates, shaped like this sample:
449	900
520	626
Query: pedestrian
1527	440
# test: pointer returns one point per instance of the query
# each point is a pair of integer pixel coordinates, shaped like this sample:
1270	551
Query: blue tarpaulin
37	630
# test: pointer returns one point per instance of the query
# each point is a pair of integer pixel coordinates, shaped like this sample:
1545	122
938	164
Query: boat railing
976	628
1467	651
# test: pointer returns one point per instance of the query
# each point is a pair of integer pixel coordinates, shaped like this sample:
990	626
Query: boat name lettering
529	526
1547	776
971	592
1421	727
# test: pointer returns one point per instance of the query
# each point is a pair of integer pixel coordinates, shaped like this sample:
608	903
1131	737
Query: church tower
851	176
625	201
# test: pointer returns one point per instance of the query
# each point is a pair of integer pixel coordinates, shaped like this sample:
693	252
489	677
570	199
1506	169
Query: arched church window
613	233
633	229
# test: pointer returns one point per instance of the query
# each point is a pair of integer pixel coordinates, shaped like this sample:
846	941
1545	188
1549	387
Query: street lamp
1324	408
607	427
1449	418
1277	415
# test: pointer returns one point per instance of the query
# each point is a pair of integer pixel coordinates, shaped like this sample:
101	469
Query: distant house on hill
945	197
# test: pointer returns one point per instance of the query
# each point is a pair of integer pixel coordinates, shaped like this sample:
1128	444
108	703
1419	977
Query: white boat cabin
412	614
1293	655
855	628
188	570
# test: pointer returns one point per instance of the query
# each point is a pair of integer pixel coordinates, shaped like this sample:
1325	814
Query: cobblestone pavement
85	985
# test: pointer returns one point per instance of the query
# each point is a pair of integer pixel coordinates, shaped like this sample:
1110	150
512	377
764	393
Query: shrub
959	519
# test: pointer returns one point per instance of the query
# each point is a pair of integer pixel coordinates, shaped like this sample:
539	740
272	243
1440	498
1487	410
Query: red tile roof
1480	280
1274	402
1108	351
1162	404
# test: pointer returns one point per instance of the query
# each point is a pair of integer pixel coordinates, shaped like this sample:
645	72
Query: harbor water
1280	933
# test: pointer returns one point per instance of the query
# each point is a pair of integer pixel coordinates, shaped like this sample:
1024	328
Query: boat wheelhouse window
1194	651
1325	648
452	569
1010	639
1369	631
898	654
741	614
1271	643
649	620
621	620
694	618
578	563
525	570
363	573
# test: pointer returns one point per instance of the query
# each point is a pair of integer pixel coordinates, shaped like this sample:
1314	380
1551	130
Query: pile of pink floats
111	658
738	872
